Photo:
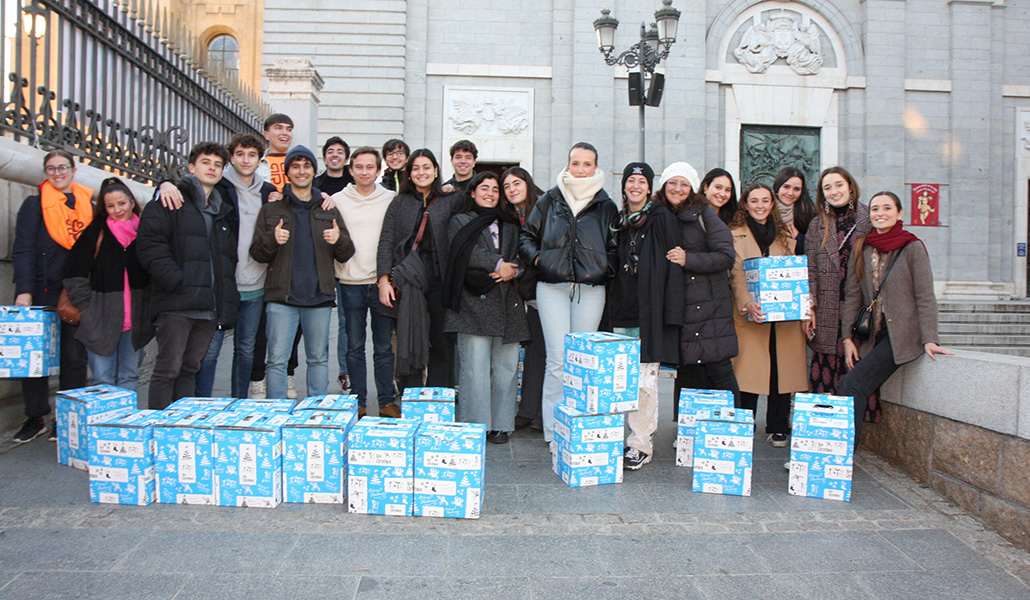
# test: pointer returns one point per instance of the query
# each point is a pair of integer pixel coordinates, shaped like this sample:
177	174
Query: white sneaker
675	443
257	389
291	390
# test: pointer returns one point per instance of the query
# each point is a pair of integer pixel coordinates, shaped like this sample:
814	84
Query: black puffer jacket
708	334
577	249
173	246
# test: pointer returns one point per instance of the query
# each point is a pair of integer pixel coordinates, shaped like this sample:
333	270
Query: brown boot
361	411
390	410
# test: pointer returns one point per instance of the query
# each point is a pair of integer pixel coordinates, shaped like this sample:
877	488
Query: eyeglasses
396	154
62	169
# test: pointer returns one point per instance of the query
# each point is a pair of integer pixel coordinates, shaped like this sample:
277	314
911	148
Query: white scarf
786	212
579	191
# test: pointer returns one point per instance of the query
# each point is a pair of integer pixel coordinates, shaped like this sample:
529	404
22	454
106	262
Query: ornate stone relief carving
781	37
505	115
1024	133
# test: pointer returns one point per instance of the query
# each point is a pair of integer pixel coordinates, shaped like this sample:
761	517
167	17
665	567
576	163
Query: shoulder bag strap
876	296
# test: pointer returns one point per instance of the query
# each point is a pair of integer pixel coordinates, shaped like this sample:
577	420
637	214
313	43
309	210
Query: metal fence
117	85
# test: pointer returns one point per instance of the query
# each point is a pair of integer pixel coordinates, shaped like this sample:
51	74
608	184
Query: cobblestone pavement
650	537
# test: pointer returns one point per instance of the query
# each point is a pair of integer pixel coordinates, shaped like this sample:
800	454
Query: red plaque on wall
925	204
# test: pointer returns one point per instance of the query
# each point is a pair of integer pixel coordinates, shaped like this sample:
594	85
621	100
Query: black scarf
458	274
765	234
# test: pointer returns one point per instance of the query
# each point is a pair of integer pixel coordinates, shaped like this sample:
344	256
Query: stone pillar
968	154
293	88
884	95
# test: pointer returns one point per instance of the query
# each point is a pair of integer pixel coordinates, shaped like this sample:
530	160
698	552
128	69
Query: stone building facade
898	92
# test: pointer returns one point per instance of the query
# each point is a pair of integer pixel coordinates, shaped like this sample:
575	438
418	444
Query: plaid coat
824	277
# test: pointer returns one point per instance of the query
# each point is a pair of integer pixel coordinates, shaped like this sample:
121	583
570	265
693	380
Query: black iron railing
120	89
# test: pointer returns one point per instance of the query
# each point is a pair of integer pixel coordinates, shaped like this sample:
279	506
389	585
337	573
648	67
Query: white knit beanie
680	169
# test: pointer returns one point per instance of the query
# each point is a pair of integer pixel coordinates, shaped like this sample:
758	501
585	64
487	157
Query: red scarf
894	239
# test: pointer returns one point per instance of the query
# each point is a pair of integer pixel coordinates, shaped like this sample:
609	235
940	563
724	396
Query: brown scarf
62	223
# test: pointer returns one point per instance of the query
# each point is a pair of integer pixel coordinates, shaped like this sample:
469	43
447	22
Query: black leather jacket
580	249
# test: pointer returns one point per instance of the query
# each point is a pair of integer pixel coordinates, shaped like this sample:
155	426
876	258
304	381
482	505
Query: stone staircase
1000	327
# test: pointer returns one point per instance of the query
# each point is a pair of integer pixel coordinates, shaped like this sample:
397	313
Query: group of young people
456	275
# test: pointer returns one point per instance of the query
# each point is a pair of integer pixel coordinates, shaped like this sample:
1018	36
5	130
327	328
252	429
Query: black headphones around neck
634	220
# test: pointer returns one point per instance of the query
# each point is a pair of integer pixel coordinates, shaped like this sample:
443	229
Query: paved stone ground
650	537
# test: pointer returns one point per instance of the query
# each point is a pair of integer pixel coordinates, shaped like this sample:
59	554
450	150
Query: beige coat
752	365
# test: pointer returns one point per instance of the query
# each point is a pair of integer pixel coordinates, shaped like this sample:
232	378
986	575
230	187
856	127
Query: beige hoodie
363	216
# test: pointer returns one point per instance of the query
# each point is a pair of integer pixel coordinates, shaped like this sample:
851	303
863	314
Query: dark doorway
764	150
494	167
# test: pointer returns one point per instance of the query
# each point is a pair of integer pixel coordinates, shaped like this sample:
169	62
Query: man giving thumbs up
299	239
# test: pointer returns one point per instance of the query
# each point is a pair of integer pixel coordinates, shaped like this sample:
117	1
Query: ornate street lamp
645	55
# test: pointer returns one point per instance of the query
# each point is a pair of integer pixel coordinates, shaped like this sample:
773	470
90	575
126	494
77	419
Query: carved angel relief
781	37
468	116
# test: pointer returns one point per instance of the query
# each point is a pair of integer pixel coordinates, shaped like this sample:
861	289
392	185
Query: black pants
717	375
36	391
533	369
870	372
777	418
440	370
257	372
181	344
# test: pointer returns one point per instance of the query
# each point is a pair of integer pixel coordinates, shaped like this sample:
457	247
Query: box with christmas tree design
723	448
315	456
121	457
450	459
249	463
381	466
694	405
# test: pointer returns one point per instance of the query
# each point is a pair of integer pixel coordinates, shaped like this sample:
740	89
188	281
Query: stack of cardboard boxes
602	373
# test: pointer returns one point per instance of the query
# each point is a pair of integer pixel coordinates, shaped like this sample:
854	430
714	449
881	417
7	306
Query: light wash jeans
121	368
487	381
281	326
564	308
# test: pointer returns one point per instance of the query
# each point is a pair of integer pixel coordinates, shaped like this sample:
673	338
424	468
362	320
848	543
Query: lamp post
645	55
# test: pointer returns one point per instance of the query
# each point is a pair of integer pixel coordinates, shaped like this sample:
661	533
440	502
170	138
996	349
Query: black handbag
863	327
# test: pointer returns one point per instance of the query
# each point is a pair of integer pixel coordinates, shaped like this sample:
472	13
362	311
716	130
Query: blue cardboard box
249	462
194	404
578	428
121	457
450	461
76	409
328	402
822	446
695	404
590	464
29	341
587	449
780	285
263	405
184	457
315	456
381	466
429	405
602	372
723	452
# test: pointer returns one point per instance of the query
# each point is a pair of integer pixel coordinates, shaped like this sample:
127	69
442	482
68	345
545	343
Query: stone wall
960	425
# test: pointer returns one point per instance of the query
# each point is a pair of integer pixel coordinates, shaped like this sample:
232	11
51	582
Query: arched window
223	55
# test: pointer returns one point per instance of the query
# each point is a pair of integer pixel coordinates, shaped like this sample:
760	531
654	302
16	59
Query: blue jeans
121	368
342	347
355	302
564	308
208	365
282	328
487	381
244	336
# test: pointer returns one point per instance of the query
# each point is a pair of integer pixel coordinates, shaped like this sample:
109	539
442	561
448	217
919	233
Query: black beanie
638	168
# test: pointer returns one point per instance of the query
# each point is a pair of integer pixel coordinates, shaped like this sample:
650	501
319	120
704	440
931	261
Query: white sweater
363	216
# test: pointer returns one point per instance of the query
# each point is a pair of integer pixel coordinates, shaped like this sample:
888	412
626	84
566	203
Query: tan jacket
752	365
907	299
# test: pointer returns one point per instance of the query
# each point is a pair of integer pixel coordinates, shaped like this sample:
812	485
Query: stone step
984	340
1010	350
1000	317
1012	306
985	328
